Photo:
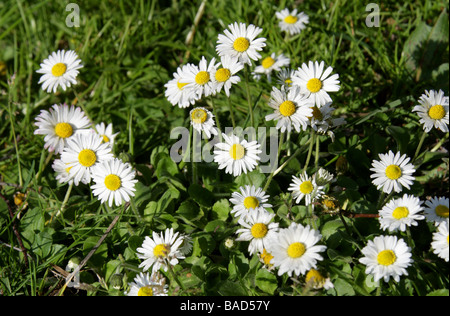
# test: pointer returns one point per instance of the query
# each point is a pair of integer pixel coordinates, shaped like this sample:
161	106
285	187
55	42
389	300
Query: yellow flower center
393	172
19	198
59	69
199	116
63	130
202	77
145	291
441	210
223	74
314	277
112	182
105	139
296	250
314	85
237	151
288	82
400	212
386	257
329	204
447	239
287	108
268	62
87	157
241	44
306	187
251	202
266	257
436	112
259	230
181	85
290	19
161	250
317	114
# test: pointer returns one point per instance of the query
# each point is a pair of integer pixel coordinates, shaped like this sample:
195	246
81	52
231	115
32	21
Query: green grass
130	50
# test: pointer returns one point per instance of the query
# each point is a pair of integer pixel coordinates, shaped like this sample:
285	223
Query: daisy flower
284	77
440	241
250	198
292	109
386	257
160	250
295	249
305	187
241	41
202	120
59	124
83	153
106	132
257	227
114	181
59	69
292	22
436	210
317	280
146	285
323	177
392	172
321	120
225	76
198	79
272	63
237	156
62	171
176	92
433	110
399	213
315	82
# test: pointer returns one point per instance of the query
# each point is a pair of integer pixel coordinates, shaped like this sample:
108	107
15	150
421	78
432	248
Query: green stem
174	276
230	105
194	154
311	145
272	174
422	139
247	87
134	208
316	161
64	202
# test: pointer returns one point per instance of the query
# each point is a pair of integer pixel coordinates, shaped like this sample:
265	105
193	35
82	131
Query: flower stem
217	117
174	276
316	161
230	105
272	174
311	144
249	100
422	139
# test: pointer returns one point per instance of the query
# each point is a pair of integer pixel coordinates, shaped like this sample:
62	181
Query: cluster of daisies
83	151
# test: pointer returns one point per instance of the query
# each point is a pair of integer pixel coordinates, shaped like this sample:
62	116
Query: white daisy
321	120
295	250
225	76
284	77
146	285
199	79
114	181
106	132
161	250
440	241
250	198
292	22
436	210
237	156
305	187
241	41
433	110
386	257
401	212
203	120
59	124
291	107
83	153
62	171
175	92
315	82
258	228
392	172
59	69
272	63
317	280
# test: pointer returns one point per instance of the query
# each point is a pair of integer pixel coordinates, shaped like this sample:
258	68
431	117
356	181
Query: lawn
387	56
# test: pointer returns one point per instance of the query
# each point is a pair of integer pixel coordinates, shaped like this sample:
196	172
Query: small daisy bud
116	281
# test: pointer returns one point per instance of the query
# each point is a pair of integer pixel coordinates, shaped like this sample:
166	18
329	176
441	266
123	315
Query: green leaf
201	195
266	281
221	209
100	255
401	136
442	292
